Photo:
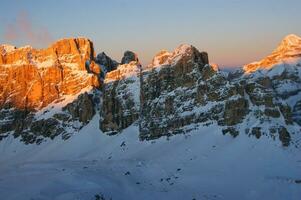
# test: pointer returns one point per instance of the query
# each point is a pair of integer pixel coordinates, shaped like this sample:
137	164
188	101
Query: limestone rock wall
181	91
32	78
121	93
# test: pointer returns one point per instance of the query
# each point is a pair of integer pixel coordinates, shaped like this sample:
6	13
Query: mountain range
57	105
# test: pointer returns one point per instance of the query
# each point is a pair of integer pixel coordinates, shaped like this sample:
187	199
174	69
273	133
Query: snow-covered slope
203	164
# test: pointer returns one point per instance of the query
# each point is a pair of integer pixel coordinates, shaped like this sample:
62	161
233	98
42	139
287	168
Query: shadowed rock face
82	108
31	128
128	57
105	61
121	102
32	78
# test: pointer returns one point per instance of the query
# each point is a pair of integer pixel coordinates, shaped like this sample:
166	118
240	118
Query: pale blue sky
233	32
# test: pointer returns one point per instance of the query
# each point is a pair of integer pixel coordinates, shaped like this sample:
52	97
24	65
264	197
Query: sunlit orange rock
32	78
288	50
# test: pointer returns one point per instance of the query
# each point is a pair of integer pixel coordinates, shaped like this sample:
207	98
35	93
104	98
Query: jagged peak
128	57
104	60
290	42
183	48
292	39
160	58
164	57
288	51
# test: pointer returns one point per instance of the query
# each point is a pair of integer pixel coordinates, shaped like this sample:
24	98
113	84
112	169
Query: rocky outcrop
128	57
51	121
106	62
30	130
121	93
169	91
160	58
31	79
82	108
36	84
235	111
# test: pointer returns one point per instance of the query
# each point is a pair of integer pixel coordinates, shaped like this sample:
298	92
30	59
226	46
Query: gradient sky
233	32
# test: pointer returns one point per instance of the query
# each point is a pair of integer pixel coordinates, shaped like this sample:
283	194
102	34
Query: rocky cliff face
185	92
169	91
121	91
106	62
31	79
44	92
52	92
180	91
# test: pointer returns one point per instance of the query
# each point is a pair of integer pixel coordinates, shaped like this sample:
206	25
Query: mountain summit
33	78
288	51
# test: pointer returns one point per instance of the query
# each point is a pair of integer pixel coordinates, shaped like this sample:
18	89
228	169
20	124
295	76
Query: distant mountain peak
288	51
291	42
183	48
292	39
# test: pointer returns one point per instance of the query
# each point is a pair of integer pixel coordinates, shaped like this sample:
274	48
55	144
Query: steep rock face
64	117
31	78
82	108
121	92
44	92
185	92
169	91
106	62
180	91
128	57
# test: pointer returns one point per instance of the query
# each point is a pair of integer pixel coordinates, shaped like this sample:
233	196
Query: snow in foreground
201	165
